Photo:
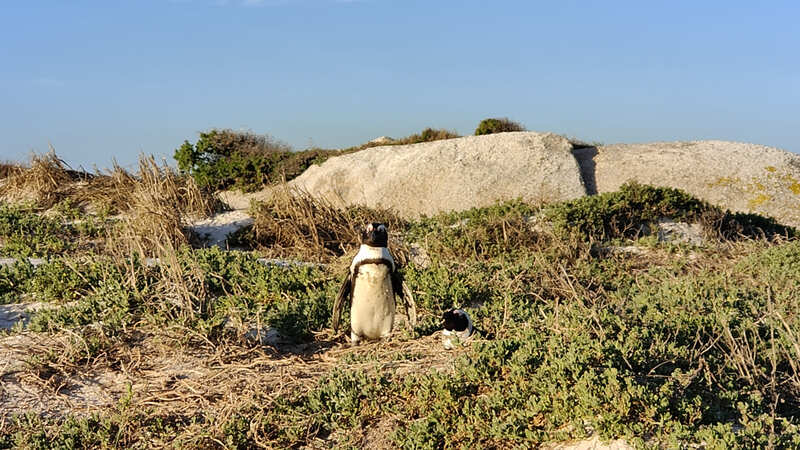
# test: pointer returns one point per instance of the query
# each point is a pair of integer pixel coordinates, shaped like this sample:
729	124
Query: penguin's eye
369	228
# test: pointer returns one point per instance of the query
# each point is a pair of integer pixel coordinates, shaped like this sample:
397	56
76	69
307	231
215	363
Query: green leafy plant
222	159
497	125
629	211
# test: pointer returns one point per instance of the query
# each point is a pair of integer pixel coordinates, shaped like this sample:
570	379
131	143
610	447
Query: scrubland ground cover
149	340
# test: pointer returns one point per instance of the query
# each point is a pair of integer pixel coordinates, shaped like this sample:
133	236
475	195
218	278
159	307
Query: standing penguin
371	284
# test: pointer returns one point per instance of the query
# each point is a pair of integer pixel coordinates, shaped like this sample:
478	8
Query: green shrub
23	233
60	280
14	279
223	159
629	211
476	233
428	135
501	125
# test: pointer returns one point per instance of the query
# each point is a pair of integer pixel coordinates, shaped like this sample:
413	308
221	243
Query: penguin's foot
354	339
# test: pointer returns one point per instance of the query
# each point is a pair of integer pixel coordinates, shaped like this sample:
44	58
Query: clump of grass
497	125
427	135
292	223
8	168
108	191
155	208
45	182
153	228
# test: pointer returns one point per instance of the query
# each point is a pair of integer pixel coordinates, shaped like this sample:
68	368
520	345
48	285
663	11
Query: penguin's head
455	320
375	235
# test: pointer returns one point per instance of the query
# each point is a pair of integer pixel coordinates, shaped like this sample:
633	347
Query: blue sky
110	79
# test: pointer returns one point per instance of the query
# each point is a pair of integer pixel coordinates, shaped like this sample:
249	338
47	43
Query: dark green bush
622	213
223	159
628	212
499	125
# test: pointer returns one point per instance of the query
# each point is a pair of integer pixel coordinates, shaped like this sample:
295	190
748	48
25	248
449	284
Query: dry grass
109	190
156	379
46	182
293	223
121	191
153	227
8	168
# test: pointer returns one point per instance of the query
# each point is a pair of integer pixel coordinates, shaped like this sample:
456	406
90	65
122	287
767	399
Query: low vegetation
635	208
47	183
8	168
426	135
228	159
292	224
497	125
674	345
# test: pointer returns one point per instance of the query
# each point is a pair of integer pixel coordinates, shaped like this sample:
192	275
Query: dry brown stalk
46	182
293	223
153	227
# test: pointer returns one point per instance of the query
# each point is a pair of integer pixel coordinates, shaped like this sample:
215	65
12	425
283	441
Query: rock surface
732	175
450	175
458	174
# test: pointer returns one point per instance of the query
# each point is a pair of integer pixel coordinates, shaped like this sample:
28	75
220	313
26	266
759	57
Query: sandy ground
11	261
593	443
217	228
14	313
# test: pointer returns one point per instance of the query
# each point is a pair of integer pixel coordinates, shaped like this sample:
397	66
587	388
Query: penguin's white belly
372	311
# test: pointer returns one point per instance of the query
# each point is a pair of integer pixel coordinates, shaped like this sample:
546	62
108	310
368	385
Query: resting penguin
371	284
457	328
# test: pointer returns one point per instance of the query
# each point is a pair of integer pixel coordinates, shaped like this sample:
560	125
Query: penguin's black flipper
401	290
345	292
397	283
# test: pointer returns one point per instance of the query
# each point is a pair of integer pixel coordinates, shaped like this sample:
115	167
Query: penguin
371	285
457	328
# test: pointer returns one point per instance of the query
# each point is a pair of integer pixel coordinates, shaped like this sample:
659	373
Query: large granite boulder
735	176
450	175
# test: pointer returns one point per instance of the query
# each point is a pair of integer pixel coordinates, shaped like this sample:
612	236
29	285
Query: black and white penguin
457	328
371	285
